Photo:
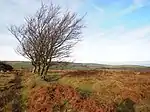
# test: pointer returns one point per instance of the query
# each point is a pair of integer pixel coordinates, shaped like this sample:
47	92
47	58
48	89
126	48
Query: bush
5	67
52	78
126	105
84	93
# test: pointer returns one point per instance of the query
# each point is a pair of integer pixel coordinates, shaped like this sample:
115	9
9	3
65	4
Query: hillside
79	66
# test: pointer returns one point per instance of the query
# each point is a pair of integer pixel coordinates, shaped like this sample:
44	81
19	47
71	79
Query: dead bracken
65	97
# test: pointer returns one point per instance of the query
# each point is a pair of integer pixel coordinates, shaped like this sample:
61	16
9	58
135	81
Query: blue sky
117	30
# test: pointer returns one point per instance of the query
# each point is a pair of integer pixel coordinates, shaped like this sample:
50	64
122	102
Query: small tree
48	35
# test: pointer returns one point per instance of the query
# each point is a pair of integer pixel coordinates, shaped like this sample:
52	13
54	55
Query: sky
116	30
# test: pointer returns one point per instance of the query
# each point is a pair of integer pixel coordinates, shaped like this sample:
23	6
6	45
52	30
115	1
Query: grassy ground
15	88
114	86
20	64
104	86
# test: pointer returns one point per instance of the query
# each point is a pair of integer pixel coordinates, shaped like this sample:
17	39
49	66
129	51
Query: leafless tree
48	35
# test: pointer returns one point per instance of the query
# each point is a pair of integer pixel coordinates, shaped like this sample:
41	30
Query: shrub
51	78
5	67
84	93
126	105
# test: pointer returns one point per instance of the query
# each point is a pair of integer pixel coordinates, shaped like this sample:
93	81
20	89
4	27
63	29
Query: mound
60	98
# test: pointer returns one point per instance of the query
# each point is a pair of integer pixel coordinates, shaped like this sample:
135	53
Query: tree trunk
39	70
46	70
34	69
43	69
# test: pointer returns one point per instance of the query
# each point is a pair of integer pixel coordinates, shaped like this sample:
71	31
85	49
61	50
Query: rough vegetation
10	92
65	98
76	91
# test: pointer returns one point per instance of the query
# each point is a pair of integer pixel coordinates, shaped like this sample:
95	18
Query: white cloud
14	11
73	5
137	4
98	45
8	54
130	45
101	10
7	40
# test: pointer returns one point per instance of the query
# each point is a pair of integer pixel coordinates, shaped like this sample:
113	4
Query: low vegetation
76	91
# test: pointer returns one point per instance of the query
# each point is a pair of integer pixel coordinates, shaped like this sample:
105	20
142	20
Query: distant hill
80	66
134	63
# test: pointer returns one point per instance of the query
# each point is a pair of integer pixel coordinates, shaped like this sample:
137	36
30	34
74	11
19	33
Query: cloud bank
108	37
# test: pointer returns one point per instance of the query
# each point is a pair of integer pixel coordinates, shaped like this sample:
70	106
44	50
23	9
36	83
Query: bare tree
48	35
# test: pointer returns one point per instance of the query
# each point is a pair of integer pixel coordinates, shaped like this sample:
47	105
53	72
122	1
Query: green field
78	66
